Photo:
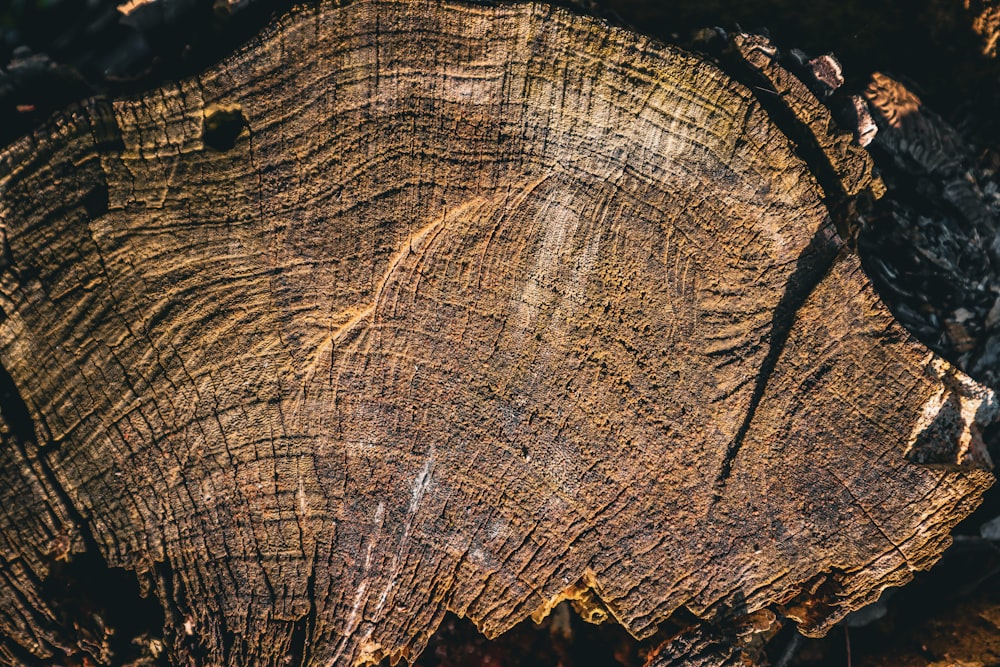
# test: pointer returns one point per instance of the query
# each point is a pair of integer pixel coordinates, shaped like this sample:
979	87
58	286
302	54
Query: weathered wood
849	164
36	531
407	308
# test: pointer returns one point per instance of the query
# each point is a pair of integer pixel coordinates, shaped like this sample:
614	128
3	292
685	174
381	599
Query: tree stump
408	308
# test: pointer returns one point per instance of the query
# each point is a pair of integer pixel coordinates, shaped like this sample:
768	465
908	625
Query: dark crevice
222	127
815	260
304	627
801	136
15	412
111	621
18	417
95	202
811	267
565	639
562	639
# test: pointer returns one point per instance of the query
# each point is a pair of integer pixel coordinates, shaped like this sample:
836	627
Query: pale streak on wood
325	348
470	314
359	598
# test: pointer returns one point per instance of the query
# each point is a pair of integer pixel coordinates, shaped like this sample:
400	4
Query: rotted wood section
410	308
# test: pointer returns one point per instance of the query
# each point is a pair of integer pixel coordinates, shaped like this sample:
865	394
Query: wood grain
407	308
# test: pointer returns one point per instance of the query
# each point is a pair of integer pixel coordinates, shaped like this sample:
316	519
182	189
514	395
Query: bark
413	308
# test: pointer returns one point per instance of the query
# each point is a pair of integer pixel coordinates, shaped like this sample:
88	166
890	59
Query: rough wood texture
36	531
408	308
849	164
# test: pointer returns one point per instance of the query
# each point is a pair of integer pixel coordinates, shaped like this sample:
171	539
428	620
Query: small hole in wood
223	126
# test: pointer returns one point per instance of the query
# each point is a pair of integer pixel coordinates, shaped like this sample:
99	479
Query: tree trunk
409	308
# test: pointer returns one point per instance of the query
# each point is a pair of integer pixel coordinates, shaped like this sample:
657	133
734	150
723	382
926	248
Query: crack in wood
624	309
811	268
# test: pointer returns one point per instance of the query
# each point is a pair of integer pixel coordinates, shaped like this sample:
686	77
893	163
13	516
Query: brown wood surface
408	308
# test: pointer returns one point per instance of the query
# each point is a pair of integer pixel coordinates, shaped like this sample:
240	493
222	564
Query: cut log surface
411	308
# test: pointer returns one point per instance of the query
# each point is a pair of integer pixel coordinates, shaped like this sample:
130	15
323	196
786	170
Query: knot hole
223	126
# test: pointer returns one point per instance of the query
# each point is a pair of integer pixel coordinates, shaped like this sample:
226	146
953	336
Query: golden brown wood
407	308
851	165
